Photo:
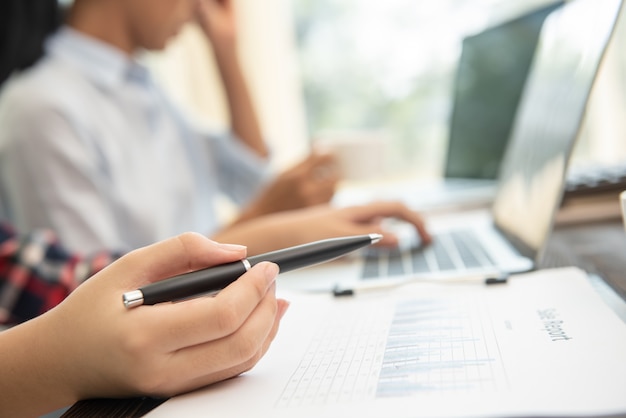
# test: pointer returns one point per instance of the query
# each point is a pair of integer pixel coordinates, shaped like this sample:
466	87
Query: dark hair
24	25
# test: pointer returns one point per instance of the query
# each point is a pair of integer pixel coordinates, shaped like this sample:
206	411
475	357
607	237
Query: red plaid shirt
36	273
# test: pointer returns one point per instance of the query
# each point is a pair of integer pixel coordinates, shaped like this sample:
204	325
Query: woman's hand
285	229
327	222
311	182
217	19
92	346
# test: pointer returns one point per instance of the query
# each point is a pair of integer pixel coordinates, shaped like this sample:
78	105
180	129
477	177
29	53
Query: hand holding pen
216	278
102	350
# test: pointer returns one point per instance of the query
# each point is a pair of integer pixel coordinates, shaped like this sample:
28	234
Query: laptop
512	235
490	77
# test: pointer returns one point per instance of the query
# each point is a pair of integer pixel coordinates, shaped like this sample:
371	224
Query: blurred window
390	65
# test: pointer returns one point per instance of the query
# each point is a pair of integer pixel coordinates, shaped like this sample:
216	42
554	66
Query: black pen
216	278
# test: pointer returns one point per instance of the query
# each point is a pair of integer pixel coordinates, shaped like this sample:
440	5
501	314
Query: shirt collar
104	64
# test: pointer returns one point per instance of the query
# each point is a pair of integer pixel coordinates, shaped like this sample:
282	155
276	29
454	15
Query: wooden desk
597	247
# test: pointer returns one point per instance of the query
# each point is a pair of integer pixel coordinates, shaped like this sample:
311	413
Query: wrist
226	57
251	211
35	380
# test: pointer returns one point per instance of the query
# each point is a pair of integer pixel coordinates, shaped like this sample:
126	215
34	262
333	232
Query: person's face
153	22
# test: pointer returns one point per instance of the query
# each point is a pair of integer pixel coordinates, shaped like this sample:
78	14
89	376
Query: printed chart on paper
418	346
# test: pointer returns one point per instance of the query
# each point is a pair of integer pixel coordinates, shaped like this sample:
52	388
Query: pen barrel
312	253
193	283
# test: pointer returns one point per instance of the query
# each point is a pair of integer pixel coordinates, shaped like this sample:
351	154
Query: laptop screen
569	51
490	77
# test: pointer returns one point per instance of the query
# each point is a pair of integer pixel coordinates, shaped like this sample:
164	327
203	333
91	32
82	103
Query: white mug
360	154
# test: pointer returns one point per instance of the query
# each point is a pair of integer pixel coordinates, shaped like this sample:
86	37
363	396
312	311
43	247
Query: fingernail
283	309
271	269
232	247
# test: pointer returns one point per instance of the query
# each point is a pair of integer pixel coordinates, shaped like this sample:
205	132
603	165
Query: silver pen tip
375	238
132	299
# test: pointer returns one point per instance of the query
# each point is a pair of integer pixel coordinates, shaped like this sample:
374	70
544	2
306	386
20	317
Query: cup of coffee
360	154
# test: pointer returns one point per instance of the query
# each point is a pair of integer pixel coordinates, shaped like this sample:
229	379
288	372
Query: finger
329	162
392	209
319	190
205	319
323	175
229	352
227	373
307	164
317	158
211	6
388	239
323	158
208	10
202	10
181	254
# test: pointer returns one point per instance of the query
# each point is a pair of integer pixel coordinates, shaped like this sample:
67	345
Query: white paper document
543	344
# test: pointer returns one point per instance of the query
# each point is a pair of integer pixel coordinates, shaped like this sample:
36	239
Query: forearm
34	377
244	118
263	234
254	209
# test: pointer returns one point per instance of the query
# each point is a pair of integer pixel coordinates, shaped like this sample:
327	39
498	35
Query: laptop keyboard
449	251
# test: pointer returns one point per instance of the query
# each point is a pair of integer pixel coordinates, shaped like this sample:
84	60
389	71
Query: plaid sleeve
36	273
